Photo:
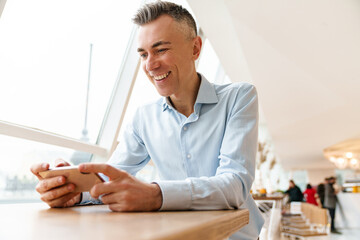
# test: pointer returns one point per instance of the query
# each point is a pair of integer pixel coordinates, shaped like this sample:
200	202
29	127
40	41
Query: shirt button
185	128
188	156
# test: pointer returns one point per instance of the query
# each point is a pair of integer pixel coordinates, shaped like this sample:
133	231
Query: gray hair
151	11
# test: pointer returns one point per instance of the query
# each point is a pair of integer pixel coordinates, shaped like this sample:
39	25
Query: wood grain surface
37	221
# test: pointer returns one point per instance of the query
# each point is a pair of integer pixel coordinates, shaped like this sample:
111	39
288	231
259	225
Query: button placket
183	134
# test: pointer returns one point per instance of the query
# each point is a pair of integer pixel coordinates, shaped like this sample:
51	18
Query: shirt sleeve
131	154
230	187
86	199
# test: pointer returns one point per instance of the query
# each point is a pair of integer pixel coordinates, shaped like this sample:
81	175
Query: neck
184	102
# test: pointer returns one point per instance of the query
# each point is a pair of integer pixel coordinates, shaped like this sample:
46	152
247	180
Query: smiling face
168	55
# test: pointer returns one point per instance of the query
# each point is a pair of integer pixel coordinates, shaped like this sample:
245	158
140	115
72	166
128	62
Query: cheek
183	59
143	66
185	64
167	60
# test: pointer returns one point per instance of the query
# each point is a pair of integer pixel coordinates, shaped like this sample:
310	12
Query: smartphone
83	181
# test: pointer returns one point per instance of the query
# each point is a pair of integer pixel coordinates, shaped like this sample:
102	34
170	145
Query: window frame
115	112
2	6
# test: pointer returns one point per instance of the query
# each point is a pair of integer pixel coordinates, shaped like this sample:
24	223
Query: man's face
168	55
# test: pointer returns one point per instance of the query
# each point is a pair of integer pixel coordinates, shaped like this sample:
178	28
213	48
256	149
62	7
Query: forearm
224	191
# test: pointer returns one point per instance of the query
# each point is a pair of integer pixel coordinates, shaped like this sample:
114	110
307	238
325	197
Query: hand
123	192
54	191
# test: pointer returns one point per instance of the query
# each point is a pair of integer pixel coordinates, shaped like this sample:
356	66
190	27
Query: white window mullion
37	135
2	5
121	94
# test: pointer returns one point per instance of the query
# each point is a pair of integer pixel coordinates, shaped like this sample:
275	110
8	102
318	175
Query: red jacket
309	195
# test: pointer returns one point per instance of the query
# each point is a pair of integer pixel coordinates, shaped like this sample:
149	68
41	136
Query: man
295	194
202	137
321	191
330	201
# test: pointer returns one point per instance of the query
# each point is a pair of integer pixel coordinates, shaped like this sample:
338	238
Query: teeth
160	77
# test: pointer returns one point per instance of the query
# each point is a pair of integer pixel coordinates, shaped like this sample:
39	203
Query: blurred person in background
321	190
294	192
330	201
311	195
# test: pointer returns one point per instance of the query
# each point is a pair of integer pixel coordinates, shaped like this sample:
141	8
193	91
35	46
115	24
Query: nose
152	63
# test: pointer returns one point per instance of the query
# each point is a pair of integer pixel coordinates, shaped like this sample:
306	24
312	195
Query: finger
76	199
120	207
108	198
47	184
56	193
104	168
104	188
61	163
39	167
112	198
62	202
117	207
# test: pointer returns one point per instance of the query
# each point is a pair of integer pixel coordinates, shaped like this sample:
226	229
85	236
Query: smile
161	77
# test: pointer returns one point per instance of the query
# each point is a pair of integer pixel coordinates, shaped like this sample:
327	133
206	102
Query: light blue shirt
205	161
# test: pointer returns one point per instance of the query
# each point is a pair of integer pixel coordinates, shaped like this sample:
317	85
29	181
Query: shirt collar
166	103
206	94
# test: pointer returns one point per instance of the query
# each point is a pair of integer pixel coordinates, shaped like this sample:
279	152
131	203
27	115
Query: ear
197	44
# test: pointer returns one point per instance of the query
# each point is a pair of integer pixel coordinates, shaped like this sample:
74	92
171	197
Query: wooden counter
37	221
275	198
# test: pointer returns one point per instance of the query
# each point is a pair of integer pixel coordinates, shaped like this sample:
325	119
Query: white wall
317	176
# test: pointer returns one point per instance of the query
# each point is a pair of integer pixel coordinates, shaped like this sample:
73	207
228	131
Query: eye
143	55
162	50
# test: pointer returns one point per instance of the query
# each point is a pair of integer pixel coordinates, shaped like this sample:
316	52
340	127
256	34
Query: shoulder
236	94
146	111
150	106
234	88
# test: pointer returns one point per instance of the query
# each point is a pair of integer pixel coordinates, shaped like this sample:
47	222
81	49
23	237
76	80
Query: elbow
240	191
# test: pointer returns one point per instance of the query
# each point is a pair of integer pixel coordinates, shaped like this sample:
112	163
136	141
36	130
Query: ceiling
304	59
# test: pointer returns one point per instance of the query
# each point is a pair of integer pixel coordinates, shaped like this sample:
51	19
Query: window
45	61
17	184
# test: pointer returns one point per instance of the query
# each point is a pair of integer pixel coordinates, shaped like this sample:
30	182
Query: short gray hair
151	11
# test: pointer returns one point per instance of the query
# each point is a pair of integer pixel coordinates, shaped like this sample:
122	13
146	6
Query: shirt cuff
87	199
176	195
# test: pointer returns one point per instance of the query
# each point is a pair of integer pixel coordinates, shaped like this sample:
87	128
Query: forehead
164	28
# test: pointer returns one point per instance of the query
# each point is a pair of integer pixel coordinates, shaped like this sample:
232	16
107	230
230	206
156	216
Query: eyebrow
159	43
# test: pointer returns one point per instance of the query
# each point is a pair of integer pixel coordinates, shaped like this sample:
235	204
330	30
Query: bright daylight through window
45	65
